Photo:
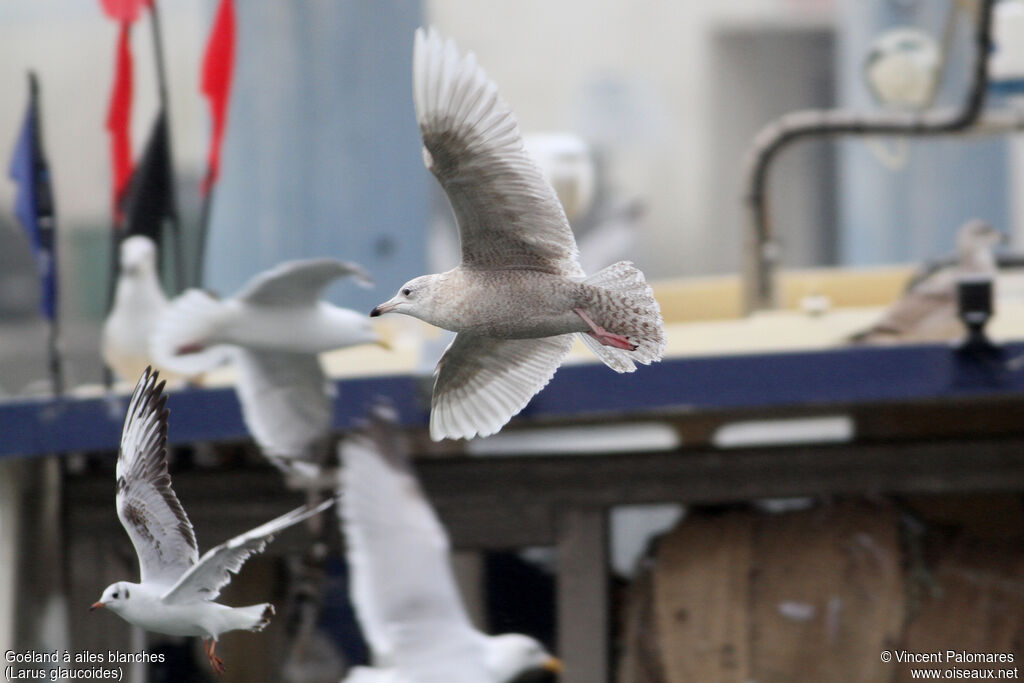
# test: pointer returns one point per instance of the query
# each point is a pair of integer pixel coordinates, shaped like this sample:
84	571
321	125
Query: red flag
124	10
119	117
218	64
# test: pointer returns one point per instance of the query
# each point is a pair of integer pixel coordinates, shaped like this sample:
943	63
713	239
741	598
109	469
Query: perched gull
276	325
139	301
402	585
519	294
927	310
177	587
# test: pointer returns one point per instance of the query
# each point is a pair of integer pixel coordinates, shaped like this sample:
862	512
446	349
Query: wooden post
468	567
583	595
10	515
41	620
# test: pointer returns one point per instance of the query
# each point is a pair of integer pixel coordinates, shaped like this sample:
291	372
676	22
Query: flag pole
56	367
115	267
118	125
215	84
205	210
161	79
46	217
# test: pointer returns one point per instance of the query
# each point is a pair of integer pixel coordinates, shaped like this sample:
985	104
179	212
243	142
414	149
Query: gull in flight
402	586
519	294
927	310
177	588
275	327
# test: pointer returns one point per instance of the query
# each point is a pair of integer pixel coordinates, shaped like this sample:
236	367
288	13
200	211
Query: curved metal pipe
761	253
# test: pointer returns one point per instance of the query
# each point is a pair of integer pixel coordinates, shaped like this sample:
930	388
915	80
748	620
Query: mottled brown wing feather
507	212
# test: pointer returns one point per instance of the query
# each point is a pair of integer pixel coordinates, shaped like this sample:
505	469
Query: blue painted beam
842	376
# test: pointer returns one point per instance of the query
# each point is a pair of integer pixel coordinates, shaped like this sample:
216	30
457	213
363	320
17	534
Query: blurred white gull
519	294
139	301
177	588
401	581
276	326
927	310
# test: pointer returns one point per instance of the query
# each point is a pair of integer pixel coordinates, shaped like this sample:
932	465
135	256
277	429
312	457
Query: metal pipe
761	254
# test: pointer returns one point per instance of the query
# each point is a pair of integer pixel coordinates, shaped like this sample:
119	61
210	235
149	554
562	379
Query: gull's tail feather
182	339
256	616
626	305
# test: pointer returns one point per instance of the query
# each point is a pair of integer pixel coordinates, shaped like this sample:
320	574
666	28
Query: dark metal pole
205	211
161	77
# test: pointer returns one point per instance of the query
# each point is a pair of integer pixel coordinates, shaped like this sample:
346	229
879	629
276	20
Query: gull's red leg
602	335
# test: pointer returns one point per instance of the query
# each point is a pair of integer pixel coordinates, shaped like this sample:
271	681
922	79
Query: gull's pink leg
216	663
194	347
602	335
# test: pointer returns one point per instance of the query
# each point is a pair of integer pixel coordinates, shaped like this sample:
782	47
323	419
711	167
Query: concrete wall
638	80
322	156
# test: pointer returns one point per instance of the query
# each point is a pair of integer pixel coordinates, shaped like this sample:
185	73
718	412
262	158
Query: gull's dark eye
126	594
115	596
406	292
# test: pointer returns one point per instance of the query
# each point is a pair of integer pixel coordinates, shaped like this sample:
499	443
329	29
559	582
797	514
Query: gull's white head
414	298
975	241
138	256
116	597
512	654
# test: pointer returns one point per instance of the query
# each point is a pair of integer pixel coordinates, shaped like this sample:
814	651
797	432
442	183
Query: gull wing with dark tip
207	577
146	504
508	214
299	283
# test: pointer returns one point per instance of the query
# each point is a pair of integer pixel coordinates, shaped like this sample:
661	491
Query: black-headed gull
519	294
275	326
927	311
402	585
177	588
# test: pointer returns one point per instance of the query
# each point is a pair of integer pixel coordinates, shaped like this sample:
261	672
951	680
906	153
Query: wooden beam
510	502
583	633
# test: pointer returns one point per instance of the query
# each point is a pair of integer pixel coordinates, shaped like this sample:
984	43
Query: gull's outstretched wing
481	382
508	214
299	283
402	585
286	402
207	577
146	504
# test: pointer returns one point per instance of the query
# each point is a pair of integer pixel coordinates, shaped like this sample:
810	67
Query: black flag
148	201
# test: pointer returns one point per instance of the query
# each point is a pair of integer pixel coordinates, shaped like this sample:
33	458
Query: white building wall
637	78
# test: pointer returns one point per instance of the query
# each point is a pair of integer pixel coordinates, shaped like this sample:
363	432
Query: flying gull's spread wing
508	214
146	504
286	400
206	578
299	283
481	382
402	584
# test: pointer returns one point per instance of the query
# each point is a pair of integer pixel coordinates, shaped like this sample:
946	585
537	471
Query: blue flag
33	204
